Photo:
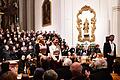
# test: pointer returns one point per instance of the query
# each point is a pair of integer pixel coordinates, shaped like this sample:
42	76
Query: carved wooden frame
93	23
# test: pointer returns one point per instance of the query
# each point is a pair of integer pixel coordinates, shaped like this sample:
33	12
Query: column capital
116	8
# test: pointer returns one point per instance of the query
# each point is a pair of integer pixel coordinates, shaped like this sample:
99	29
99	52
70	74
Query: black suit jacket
107	49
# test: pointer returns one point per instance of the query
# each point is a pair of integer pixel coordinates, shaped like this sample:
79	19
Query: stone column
115	28
30	15
1	18
22	17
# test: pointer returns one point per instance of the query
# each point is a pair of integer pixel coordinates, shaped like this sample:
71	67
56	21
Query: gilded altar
86	27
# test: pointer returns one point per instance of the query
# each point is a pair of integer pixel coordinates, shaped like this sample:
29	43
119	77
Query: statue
86	26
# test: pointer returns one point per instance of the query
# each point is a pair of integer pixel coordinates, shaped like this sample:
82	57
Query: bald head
76	68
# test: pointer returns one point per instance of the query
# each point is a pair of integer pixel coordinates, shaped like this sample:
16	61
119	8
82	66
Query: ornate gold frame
90	38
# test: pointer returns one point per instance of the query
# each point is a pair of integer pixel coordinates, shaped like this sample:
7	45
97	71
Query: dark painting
46	13
10	8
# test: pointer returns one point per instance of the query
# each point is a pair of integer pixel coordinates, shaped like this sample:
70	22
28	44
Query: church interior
59	39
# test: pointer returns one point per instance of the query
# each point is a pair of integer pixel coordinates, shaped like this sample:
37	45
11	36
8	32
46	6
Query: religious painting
10	8
86	24
46	13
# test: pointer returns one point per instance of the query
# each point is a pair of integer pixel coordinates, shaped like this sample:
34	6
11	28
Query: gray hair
50	75
67	62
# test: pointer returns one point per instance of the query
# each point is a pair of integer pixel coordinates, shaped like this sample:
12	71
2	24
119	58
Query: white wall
55	16
115	28
64	19
69	10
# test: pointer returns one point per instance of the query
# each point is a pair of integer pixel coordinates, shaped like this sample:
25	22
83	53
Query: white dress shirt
55	51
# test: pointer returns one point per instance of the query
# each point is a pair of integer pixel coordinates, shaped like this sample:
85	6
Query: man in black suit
109	51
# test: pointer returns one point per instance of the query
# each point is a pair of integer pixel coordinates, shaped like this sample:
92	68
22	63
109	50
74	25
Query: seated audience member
97	49
101	72
67	62
29	66
4	67
64	72
9	75
93	55
74	58
25	77
38	74
69	55
78	50
86	71
89	51
84	51
50	75
72	50
64	49
76	69
46	62
83	59
100	61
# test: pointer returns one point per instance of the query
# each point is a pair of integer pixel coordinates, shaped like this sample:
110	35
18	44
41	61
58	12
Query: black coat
21	65
107	49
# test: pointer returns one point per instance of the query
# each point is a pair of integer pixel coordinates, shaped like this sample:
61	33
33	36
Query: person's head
23	57
99	55
55	41
23	43
40	37
30	47
112	37
76	68
38	73
5	66
17	45
6	47
28	57
67	62
50	75
97	45
8	76
15	38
